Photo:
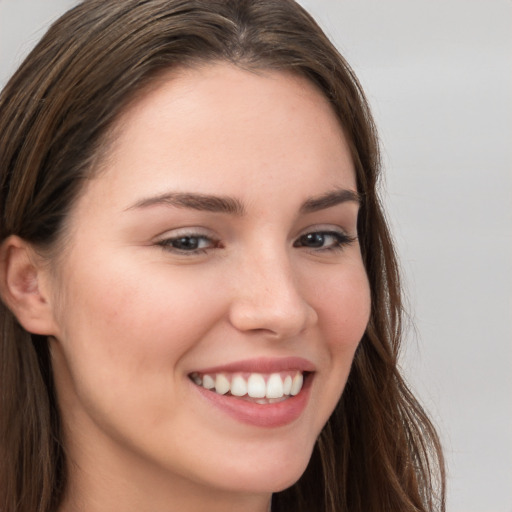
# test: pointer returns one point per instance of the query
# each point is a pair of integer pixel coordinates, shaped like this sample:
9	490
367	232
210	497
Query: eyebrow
330	199
233	206
202	202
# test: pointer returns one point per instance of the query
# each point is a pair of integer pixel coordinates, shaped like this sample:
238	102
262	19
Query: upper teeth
254	385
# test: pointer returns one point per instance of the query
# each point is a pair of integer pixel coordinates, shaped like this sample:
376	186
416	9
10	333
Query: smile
264	392
260	388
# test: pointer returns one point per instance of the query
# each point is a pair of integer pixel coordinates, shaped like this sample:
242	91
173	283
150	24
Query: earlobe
21	286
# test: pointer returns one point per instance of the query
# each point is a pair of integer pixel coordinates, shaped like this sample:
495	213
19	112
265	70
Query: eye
188	244
324	240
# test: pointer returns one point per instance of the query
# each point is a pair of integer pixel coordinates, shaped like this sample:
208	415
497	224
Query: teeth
208	382
274	386
263	388
238	386
287	385
297	384
221	384
256	387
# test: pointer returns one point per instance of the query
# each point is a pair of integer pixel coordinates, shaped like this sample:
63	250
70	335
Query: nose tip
272	302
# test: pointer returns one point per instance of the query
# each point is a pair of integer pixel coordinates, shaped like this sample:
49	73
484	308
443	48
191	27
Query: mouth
258	388
263	392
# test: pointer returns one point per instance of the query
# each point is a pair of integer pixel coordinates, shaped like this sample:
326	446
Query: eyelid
165	240
344	238
184	231
326	228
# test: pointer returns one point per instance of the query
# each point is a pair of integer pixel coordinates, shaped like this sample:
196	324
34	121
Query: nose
268	299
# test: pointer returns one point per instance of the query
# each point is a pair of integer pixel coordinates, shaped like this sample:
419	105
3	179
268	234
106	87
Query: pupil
186	242
314	240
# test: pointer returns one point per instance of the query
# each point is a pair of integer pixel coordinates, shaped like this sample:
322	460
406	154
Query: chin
274	475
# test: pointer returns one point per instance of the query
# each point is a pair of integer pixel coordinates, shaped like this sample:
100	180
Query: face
212	292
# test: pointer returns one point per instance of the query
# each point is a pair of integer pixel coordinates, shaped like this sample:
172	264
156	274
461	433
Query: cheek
344	313
342	304
344	310
124	303
119	322
124	334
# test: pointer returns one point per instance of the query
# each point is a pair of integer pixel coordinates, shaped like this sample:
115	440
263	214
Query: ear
22	286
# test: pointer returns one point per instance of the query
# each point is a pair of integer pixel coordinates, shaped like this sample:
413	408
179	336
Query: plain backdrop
439	77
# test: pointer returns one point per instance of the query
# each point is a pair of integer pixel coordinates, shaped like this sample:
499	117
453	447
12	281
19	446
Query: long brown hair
378	451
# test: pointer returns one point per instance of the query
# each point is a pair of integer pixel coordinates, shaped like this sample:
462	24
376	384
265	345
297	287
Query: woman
202	303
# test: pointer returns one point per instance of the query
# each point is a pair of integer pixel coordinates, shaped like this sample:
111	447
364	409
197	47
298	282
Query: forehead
221	126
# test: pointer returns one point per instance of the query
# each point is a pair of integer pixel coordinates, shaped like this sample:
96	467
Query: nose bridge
268	295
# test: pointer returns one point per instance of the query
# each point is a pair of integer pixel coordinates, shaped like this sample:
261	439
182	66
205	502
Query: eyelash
340	240
168	244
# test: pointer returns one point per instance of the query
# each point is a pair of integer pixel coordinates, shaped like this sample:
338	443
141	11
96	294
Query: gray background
439	77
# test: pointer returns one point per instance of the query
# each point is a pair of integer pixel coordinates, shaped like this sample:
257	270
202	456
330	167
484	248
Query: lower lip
261	415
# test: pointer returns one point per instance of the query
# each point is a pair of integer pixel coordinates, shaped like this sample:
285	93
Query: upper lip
262	365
